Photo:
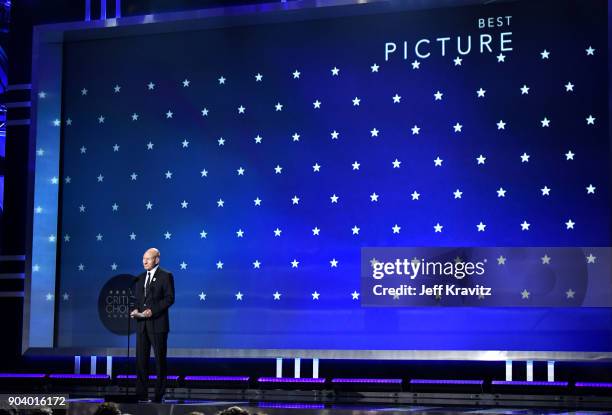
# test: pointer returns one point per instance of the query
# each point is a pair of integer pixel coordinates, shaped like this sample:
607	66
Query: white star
501	58
481	93
396	99
457	61
258	77
545	122
40	152
569	87
525	294
167	235
438	227
220	203
501	192
101	119
333	263
570	293
35	268
524	158
416	129
317	104
296	137
501	260
545	259
116	147
115	207
278	106
374	132
52	238
316	167
113	266
132	236
66	238
184	204
278	169
545	54
294	263
396	228
457	194
186	83
168	174
219	265
315	295
355	295
258	139
202	296
49	296
481	227
374	197
356	101
56	122
222	80
205	112
68	179
65	296
334	135
277	232
295	200
100	178
438	96
240	171
545	191
149	205
239	233
457	127
39	209
501	125
185	143
257	264
415	195
277	295
590	189
335	71
151	86
169	114
203	234
334	198
396	163
239	296
591	259
569	155
480	159
84	91
569	224
590	51
54	180
355	230
374	68
134	117
296	74
590	120
438	162
356	165
525	226
204	173
257	202
524	90
81	208
150	145
221	141
316	231
117	89
241	109
68	121
81	267
416	64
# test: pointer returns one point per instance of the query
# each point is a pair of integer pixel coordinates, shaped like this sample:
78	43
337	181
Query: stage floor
208	407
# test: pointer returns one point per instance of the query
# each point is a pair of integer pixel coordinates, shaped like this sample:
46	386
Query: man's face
149	261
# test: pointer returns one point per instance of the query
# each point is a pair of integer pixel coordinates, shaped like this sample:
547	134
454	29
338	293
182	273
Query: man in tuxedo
154	294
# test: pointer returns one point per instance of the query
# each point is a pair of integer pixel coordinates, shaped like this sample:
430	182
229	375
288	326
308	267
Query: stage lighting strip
70	376
277	405
446	382
386	381
170	377
22	375
593	385
527	383
217	378
291	380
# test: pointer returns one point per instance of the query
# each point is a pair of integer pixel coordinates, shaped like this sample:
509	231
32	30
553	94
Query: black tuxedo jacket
160	296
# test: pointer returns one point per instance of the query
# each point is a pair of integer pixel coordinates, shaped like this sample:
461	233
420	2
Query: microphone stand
131	305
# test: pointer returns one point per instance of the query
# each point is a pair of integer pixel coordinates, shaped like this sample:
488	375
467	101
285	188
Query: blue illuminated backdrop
260	159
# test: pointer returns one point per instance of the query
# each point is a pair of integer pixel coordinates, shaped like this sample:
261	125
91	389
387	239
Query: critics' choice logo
114	304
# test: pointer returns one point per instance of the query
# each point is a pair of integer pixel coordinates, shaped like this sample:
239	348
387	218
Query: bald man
154	294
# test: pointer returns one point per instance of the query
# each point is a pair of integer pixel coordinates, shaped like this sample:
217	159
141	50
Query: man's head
150	259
